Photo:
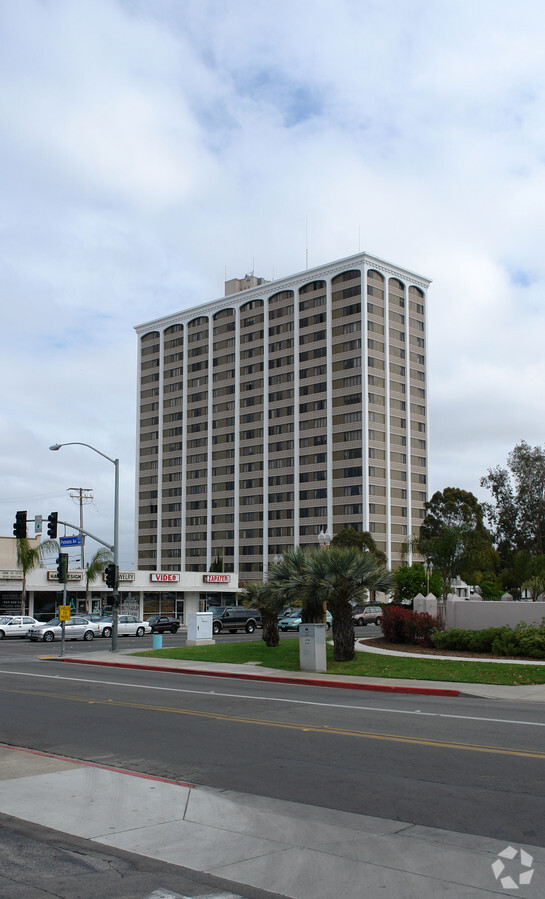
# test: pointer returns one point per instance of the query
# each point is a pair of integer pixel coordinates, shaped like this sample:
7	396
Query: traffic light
19	528
52	524
111	575
62	568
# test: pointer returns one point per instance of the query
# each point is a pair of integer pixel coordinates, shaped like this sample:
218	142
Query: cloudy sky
149	148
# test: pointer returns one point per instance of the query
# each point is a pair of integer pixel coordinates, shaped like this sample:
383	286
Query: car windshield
294	615
5	620
53	623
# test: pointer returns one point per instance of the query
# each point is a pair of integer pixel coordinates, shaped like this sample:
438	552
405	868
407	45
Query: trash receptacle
157	641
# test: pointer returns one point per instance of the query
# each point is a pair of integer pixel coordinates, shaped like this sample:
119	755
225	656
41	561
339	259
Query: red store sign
216	578
159	577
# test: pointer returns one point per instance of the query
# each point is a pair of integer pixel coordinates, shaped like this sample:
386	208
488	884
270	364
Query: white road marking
325	705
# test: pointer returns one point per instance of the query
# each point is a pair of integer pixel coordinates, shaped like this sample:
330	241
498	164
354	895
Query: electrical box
312	647
199	629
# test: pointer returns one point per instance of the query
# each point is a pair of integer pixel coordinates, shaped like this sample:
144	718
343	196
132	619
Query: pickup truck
235	618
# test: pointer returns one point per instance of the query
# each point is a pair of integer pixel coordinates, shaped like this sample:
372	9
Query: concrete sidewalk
292	850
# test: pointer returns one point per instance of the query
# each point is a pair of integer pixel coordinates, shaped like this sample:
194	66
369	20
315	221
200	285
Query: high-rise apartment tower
282	410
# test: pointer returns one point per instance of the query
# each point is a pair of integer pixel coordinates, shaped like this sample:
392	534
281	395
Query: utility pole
82	496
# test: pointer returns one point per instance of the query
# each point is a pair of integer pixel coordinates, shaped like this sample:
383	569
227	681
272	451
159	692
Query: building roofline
271	287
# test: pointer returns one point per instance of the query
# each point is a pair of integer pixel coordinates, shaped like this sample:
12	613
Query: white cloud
146	148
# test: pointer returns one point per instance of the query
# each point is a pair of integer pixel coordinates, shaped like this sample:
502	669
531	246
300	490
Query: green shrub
465	640
523	640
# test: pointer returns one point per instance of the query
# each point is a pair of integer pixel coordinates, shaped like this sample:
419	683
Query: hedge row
523	640
400	625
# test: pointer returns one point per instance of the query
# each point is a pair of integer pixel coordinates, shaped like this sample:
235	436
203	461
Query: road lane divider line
302	728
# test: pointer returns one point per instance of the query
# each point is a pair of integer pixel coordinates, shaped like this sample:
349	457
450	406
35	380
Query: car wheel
250	627
107	632
140	632
216	628
49	636
2	635
173	629
88	635
378	621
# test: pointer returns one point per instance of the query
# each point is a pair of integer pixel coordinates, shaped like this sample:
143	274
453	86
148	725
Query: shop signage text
216	578
72	576
160	577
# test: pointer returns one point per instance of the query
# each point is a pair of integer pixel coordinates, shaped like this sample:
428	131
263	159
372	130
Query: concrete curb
283	679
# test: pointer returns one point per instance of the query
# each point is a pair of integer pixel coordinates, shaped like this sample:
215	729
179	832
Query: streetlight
115	463
324	539
428	567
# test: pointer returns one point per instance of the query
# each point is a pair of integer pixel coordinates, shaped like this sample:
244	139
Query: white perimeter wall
474	615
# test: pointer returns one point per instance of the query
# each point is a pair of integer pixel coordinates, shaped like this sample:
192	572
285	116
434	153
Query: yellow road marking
302	728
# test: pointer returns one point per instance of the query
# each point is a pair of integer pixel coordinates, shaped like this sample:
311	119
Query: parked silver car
127	626
16	625
292	621
371	614
77	628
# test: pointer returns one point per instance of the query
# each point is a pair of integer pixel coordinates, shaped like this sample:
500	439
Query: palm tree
95	567
289	579
535	586
30	557
341	576
269	602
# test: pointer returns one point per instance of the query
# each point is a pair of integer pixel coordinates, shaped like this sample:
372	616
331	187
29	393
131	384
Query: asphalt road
462	764
36	862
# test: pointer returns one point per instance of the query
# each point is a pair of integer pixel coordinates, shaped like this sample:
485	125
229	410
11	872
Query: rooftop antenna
359	238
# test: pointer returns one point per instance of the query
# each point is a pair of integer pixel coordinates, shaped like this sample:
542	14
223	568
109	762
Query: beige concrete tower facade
282	410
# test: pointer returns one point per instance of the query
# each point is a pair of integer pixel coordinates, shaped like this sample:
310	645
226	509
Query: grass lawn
286	657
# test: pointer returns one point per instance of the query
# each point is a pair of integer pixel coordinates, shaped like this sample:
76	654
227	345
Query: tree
535	586
30	557
217	564
412	579
269	602
289	578
340	577
363	540
453	537
517	514
96	566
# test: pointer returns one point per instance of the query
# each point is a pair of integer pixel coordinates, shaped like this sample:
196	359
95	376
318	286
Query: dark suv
235	618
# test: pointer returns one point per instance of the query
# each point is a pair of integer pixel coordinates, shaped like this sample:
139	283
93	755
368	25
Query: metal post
115	463
63	623
115	610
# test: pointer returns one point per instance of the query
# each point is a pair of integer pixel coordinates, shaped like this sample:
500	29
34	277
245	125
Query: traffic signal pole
115	463
115	610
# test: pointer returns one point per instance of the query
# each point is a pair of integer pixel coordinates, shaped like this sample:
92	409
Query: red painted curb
282	679
82	763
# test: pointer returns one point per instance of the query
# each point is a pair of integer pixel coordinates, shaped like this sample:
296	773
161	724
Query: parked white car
127	626
16	625
77	628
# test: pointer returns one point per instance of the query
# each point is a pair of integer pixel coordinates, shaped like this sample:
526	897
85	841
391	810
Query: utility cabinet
199	629
312	647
